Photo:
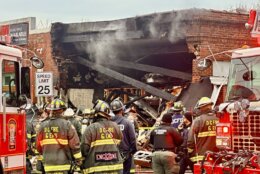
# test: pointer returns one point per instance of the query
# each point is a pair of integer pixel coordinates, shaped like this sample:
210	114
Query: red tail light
223	138
251	20
252	15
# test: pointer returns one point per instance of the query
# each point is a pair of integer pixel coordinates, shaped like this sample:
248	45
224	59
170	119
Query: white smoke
176	32
176	21
104	42
153	26
103	47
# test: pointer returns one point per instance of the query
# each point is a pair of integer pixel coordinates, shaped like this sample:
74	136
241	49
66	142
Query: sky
68	11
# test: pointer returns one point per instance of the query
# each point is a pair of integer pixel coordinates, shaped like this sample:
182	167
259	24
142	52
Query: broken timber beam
123	78
150	68
90	37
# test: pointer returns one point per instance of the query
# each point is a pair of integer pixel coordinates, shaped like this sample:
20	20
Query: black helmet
117	105
56	104
102	108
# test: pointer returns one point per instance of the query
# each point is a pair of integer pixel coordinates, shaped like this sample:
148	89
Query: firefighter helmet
69	113
204	101
177	107
117	105
56	104
102	108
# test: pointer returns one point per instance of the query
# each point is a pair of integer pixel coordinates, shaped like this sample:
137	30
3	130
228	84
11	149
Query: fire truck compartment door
13	145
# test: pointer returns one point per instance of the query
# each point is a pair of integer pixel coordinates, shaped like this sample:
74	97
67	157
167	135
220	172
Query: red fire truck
238	130
14	81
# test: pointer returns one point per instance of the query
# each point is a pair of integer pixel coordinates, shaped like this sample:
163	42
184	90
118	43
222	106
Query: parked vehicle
14	81
238	130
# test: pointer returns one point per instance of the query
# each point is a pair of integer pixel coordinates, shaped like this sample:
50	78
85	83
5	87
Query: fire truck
14	82
238	130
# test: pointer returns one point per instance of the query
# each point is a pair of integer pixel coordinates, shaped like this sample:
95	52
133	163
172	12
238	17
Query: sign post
44	84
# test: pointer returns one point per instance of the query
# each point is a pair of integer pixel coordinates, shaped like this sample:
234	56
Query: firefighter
184	130
31	138
99	144
165	139
177	117
128	145
69	114
202	135
43	115
57	141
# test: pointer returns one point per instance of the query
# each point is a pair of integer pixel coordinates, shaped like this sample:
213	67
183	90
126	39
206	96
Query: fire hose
216	156
236	161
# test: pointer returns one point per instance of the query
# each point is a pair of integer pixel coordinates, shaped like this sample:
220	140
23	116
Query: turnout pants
28	166
129	165
163	162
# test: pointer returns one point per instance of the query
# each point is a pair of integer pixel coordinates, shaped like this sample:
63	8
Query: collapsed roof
133	47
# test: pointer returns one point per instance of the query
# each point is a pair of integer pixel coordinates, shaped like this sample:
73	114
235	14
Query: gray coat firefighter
57	141
100	142
128	144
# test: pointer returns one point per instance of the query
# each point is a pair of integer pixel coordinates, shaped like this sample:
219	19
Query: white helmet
69	113
204	101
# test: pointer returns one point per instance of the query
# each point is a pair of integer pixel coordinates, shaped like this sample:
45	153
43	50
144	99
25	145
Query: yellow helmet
56	104
203	102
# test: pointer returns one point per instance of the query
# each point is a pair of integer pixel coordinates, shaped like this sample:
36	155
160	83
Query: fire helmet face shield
102	108
204	101
56	104
117	105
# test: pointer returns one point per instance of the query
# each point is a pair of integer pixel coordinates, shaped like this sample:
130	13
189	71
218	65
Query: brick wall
216	31
40	43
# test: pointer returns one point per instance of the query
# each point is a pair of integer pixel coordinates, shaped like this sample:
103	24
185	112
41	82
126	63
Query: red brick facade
40	43
217	31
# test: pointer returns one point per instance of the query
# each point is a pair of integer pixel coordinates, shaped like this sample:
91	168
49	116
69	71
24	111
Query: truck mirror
249	75
204	64
37	62
24	102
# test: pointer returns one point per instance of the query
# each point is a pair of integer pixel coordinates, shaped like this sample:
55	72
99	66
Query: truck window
25	81
244	79
10	82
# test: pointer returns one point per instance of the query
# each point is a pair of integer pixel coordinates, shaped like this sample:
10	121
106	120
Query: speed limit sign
44	84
